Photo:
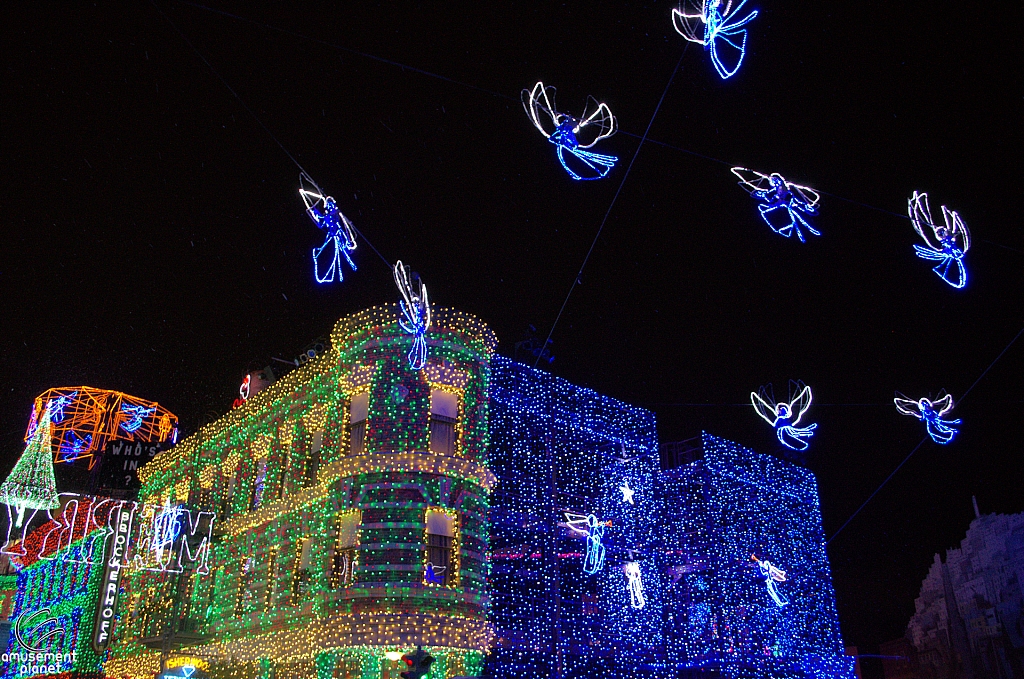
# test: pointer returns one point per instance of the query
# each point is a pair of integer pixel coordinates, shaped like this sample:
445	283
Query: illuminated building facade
58	583
351	499
561	451
747	581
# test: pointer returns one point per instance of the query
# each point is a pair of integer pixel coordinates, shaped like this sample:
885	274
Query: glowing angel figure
782	204
57	406
931	412
785	416
136	414
634	584
708	23
434	575
72	447
572	135
593	559
946	243
772	575
415	318
341	237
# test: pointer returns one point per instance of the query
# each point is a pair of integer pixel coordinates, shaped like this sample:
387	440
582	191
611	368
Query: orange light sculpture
85	419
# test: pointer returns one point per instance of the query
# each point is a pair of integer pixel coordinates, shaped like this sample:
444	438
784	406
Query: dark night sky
154	241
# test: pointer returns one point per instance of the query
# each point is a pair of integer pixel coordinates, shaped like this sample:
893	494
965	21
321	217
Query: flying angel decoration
772	575
782	203
708	23
785	416
931	412
593	529
341	237
434	575
572	136
945	243
415	318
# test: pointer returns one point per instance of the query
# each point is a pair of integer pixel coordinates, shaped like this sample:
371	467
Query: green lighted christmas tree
31	484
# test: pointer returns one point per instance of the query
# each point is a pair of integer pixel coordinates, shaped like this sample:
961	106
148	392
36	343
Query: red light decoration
85	419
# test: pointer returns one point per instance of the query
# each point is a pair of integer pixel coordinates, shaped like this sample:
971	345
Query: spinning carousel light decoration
570	135
593	529
785	416
341	237
782	203
635	584
931	412
945	243
772	575
89	418
415	318
708	23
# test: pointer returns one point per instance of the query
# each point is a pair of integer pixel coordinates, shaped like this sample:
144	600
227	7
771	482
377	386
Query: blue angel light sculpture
931	412
782	203
434	575
785	416
341	237
945	243
772	575
708	23
570	135
593	530
415	318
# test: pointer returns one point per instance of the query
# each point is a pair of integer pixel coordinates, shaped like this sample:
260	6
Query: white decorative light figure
570	135
945	243
341	237
931	412
772	575
634	584
714	25
785	416
593	558
627	492
415	318
434	575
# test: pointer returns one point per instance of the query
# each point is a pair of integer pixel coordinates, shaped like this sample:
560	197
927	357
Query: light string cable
254	116
922	441
604	220
437	76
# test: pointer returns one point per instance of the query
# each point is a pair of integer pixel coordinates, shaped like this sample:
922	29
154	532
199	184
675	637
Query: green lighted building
351	501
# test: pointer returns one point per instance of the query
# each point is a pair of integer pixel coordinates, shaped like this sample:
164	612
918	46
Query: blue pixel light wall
719	510
554	448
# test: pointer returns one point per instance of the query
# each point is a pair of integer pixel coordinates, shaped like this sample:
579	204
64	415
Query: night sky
155	243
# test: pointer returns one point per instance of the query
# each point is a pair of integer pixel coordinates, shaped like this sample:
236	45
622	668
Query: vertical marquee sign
106	607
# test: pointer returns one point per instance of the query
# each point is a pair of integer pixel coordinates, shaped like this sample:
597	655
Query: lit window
442	567
259	484
303	574
343	560
358	412
444	413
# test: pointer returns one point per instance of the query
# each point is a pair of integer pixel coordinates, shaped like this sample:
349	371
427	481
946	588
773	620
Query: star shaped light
627	492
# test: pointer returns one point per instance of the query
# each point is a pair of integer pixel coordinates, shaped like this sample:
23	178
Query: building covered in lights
730	516
512	524
561	452
351	501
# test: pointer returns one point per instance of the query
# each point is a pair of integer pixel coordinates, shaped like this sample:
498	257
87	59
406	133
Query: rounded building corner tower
351	501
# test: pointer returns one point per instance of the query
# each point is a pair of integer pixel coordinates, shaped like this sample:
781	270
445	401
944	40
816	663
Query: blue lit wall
554	448
718	510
